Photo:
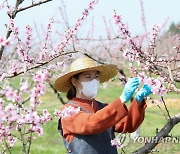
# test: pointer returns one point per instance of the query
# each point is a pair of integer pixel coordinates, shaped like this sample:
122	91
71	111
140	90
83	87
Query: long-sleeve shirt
114	114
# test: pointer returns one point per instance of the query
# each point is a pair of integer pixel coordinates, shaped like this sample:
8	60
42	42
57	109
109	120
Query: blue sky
156	12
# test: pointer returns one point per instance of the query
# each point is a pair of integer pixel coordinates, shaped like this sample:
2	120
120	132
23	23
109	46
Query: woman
91	130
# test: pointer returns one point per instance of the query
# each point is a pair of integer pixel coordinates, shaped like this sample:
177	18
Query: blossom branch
143	16
165	107
12	14
154	102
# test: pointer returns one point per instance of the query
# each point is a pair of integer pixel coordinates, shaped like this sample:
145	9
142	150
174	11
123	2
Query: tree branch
147	148
39	65
33	5
165	107
22	139
58	94
30	141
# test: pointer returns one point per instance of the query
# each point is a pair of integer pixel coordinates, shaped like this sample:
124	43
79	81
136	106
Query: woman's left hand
143	92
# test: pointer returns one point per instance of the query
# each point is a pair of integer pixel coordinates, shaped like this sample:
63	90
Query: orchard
31	59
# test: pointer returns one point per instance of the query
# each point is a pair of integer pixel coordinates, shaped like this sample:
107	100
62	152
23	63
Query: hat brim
106	72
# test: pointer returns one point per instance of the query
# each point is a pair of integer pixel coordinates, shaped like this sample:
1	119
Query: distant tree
174	28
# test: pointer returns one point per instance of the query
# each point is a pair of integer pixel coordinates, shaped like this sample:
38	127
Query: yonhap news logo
123	140
169	139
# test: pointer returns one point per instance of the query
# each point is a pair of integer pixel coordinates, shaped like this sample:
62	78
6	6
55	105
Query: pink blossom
9	93
91	4
69	111
38	77
57	113
21	119
37	129
44	47
42	76
4	41
11	140
156	85
148	81
24	86
21	51
32	101
14	29
2	113
29	37
14	67
18	97
116	142
4	132
32	117
129	54
41	87
10	113
38	90
117	18
154	33
10	11
46	116
158	88
28	29
85	12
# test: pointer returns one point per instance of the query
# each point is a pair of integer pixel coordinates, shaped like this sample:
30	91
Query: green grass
51	142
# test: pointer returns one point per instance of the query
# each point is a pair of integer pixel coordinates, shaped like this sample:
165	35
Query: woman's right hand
129	89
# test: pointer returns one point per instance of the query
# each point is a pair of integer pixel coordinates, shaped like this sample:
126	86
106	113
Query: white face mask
90	88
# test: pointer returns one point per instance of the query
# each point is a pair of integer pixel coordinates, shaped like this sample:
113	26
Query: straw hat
106	72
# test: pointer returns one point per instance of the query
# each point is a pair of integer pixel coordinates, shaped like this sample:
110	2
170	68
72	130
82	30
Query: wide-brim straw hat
106	72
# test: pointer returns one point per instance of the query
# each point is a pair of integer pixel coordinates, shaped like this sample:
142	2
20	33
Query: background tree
34	61
174	28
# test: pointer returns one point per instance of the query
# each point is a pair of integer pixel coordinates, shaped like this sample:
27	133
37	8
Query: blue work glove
143	92
129	89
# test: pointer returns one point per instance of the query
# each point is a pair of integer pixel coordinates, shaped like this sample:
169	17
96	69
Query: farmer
91	130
